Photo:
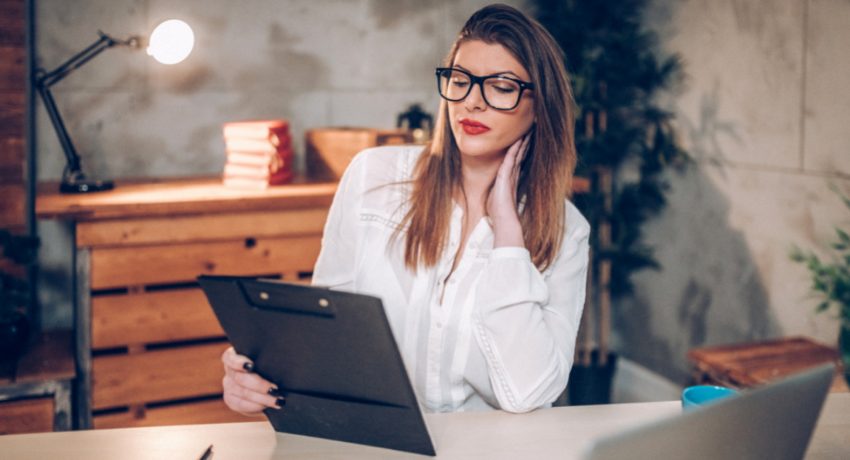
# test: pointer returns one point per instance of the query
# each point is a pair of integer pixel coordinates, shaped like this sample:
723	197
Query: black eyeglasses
500	92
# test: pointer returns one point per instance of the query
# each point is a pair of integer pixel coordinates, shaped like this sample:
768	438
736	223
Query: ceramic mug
700	395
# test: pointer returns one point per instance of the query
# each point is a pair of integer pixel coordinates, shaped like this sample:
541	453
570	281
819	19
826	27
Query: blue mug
700	395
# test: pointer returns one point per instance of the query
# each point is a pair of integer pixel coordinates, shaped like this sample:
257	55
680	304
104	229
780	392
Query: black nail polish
274	392
281	402
248	366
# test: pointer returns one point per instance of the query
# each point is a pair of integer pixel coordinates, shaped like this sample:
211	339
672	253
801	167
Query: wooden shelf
177	196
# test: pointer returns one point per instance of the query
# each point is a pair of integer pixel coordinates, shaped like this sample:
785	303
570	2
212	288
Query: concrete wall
765	113
340	62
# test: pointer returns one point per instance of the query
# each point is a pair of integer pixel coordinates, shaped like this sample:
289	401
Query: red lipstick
473	127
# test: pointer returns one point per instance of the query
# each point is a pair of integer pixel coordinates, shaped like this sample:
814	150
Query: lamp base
86	186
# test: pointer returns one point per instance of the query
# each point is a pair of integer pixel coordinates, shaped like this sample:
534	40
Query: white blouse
503	336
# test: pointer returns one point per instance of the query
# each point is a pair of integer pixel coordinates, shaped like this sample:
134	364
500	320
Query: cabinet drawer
158	375
152	317
195	228
159	264
33	415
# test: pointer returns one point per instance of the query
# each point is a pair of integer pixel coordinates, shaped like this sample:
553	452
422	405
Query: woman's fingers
253	382
242	405
239	368
245	391
511	160
235	361
521	146
251	388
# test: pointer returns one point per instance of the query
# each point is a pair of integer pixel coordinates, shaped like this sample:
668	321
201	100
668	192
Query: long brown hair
546	173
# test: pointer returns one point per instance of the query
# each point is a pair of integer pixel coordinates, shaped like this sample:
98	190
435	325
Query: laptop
331	353
772	422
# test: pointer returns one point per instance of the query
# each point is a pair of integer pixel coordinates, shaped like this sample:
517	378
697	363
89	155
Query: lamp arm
72	159
43	82
78	60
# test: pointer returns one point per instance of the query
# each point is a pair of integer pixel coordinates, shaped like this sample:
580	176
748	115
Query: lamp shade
171	41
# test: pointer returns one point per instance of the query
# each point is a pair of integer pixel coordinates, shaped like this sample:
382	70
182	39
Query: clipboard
331	354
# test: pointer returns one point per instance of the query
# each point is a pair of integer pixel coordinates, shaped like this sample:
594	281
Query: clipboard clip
276	296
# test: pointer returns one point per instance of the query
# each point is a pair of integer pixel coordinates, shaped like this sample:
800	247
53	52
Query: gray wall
765	114
317	63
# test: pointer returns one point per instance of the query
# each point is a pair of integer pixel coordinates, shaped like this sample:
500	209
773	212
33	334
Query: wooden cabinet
148	344
35	395
31	415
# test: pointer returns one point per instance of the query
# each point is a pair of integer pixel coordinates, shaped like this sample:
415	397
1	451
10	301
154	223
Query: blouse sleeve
335	266
526	323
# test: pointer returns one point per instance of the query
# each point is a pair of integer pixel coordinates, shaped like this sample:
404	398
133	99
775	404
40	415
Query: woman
471	243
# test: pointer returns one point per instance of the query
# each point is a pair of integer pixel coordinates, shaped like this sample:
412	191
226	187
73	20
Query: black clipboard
332	355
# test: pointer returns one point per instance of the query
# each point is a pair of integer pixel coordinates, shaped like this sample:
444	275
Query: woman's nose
475	99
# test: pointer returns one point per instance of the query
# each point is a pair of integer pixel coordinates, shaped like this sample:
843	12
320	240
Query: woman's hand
244	391
501	203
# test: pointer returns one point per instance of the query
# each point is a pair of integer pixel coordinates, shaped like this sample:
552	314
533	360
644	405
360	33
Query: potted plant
831	283
625	142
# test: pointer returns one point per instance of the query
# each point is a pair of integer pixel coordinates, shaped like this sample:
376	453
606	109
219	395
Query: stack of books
259	154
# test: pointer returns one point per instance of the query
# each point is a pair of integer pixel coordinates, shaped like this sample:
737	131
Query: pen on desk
207	453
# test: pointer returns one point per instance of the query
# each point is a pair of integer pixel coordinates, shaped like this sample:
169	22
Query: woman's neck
479	174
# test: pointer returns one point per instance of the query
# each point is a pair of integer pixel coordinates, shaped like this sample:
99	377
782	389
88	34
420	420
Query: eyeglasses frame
476	80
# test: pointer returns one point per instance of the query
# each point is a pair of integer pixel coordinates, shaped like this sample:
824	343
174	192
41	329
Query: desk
561	433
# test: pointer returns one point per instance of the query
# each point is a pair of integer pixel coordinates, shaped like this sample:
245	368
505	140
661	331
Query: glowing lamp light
171	42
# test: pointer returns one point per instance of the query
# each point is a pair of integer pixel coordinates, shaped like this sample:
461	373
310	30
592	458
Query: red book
249	158
271	169
259	153
259	129
247	144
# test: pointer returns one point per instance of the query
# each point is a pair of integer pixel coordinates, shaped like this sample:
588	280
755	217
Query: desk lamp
170	43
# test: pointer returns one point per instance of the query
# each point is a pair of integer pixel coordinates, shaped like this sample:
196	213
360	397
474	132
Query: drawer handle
250	242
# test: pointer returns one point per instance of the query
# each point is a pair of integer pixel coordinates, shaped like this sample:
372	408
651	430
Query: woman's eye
504	89
460	83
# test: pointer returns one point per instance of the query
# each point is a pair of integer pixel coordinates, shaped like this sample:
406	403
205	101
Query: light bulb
171	41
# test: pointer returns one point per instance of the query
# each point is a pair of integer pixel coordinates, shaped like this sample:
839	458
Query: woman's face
480	130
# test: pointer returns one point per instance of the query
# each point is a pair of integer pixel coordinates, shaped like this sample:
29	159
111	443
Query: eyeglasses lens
499	93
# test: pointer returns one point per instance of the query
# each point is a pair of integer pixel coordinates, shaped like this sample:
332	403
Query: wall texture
338	62
764	112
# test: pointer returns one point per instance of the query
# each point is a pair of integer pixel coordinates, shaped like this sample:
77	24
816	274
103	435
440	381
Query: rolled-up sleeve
526	323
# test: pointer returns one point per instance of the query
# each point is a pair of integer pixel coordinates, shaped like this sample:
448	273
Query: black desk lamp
170	43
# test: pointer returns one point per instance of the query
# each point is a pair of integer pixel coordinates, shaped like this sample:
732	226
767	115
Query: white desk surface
550	433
